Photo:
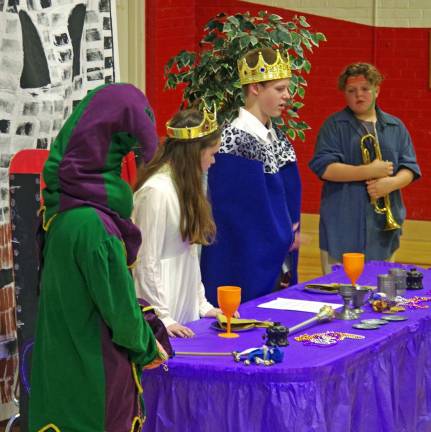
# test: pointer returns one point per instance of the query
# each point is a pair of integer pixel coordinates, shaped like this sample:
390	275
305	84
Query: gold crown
206	127
264	71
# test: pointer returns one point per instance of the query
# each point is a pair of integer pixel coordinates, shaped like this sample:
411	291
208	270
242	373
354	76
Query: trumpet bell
391	223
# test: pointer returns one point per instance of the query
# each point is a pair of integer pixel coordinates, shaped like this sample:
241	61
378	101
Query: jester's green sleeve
112	290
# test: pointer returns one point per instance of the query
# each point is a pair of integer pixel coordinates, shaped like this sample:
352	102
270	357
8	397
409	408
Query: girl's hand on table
179	330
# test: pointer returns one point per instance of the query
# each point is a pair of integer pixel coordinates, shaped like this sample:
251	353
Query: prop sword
326	313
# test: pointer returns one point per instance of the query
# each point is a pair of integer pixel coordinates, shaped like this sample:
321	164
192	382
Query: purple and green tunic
90	329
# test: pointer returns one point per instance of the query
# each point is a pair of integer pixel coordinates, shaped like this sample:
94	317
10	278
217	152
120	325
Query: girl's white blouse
167	274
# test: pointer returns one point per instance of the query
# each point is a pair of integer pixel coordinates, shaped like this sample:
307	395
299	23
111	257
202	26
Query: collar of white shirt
249	123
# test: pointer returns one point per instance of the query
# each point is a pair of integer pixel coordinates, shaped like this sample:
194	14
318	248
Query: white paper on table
297	305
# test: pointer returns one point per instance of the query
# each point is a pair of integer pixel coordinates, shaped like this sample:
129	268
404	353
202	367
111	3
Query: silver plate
394	318
374	321
363	326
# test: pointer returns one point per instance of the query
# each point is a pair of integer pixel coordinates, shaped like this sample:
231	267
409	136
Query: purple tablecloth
378	384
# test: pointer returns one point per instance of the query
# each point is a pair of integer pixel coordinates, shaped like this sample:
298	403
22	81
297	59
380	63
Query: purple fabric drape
378	384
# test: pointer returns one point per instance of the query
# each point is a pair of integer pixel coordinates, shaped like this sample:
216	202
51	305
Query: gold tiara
264	71
206	127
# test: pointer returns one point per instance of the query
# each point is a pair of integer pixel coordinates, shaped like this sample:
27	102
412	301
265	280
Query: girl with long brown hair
174	215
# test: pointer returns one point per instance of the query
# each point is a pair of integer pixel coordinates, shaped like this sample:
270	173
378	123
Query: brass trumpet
385	206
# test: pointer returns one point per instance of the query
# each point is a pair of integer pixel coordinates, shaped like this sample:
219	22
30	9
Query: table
378	384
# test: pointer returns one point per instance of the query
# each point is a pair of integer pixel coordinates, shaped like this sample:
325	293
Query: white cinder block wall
380	13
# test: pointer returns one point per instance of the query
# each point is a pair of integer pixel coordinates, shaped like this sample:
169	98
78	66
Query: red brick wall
401	55
170	28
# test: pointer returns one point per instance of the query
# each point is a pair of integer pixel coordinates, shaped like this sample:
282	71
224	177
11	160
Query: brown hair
370	73
184	159
268	54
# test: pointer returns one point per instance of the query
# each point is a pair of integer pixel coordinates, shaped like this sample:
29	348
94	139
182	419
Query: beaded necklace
413	302
328	338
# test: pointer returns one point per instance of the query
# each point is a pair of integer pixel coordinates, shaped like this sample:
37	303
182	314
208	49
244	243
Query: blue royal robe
254	212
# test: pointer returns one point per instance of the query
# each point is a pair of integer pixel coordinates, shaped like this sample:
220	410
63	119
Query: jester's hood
84	164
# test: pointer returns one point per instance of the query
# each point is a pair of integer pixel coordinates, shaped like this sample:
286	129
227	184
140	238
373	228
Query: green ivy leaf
305	33
284	37
307	44
296	39
284	129
184	59
301	135
314	40
320	36
248	25
253	40
210	37
297	105
302	125
273	18
275	38
298	49
301	92
301	80
277	121
292	123
303	21
265	38
262	28
298	62
227	27
291	133
294	79
211	25
233	20
292	113
244	41
172	81
218	44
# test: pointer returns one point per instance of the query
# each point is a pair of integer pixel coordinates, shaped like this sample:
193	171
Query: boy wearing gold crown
255	187
174	216
352	183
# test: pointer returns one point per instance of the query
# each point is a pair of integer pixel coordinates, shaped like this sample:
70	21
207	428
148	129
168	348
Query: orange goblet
229	299
353	265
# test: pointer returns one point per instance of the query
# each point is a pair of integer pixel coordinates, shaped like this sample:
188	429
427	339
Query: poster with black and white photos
52	52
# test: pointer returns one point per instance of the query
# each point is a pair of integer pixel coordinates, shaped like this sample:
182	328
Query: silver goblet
359	298
347	313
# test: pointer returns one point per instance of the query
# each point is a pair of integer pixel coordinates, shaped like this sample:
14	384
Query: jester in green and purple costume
91	338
